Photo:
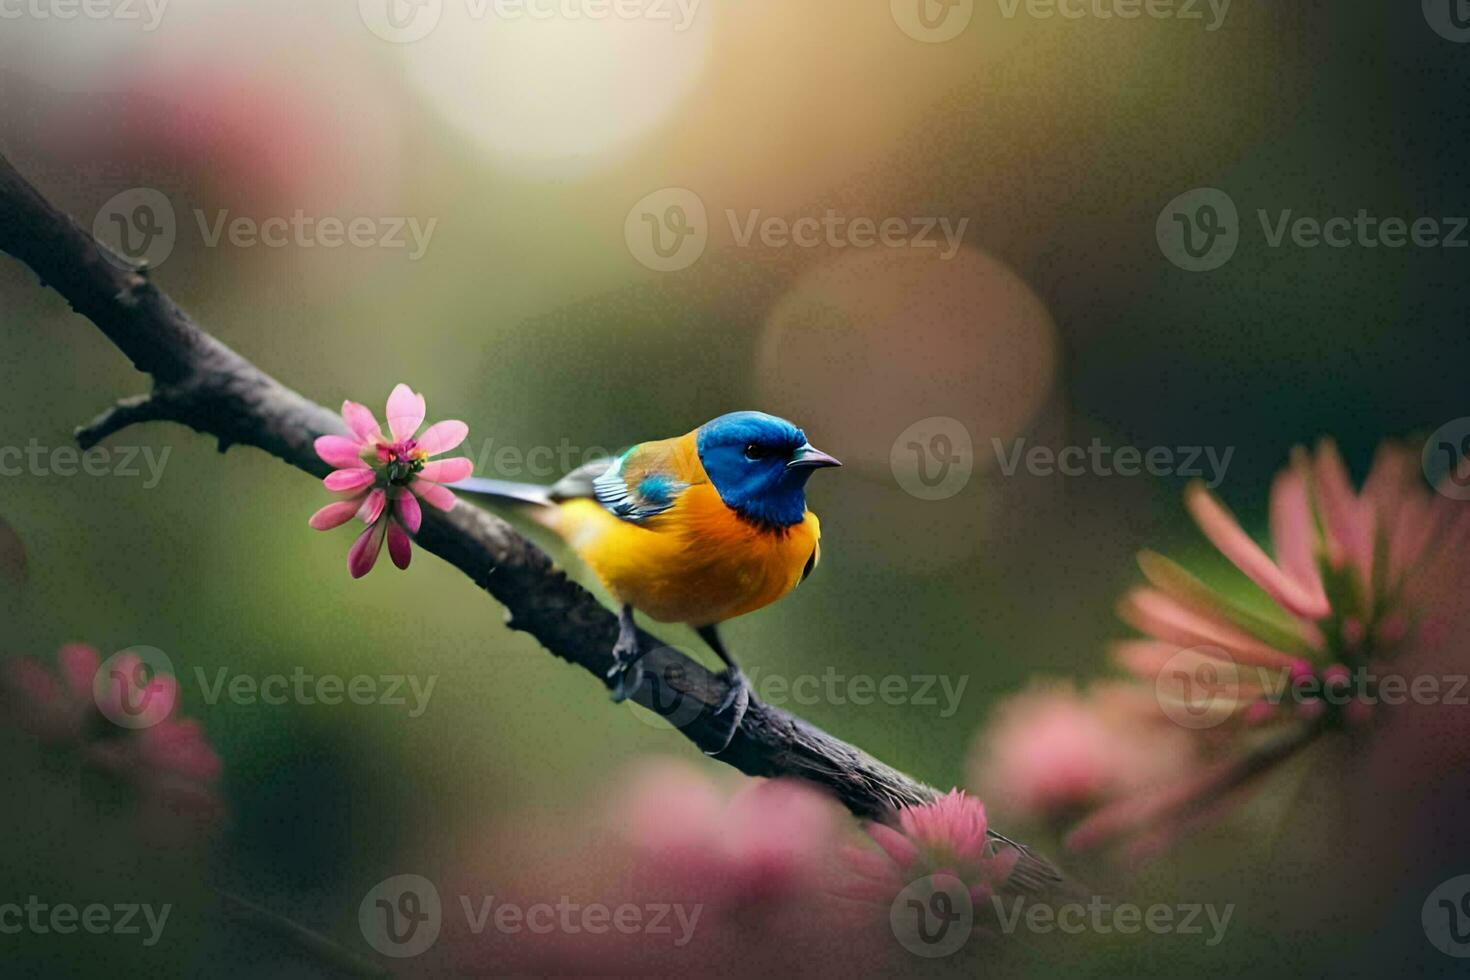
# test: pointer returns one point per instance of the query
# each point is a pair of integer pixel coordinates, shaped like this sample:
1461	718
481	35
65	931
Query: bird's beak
809	457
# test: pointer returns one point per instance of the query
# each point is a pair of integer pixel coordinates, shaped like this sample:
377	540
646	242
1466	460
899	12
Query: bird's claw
626	676
731	710
626	673
629	679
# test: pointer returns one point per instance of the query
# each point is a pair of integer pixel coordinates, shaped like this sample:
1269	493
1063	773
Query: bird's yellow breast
697	563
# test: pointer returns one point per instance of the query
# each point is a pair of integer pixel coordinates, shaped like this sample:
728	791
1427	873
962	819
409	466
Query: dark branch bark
200	382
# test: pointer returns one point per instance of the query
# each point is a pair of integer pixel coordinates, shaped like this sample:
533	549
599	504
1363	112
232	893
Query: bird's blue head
759	464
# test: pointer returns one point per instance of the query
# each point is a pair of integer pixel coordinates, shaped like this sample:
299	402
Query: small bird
696	529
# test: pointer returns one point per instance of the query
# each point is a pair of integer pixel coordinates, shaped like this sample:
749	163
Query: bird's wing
641	483
579	482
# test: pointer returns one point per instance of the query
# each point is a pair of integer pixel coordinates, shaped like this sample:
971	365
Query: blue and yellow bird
696	529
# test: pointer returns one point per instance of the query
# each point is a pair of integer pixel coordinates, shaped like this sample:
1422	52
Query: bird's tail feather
525	493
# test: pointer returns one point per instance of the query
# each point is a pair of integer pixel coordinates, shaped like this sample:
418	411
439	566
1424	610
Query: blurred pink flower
754	872
169	766
1051	753
380	478
948	836
772	840
1359	580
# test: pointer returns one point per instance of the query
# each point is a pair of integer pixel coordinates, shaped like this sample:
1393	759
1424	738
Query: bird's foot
626	673
731	709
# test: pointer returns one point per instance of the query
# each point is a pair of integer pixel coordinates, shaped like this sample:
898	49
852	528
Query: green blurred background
530	317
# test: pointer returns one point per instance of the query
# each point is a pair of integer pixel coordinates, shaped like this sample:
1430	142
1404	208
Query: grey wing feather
581	482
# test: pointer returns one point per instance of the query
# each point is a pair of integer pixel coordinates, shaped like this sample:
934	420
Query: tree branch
202	383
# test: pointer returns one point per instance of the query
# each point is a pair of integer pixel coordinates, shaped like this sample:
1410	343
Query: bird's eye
752	451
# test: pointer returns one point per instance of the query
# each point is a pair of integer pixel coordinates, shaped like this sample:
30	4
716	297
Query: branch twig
202	383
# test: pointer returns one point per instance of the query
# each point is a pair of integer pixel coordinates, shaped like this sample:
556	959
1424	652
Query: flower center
402	461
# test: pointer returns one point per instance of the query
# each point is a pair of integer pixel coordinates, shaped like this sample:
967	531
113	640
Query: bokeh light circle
866	345
559	93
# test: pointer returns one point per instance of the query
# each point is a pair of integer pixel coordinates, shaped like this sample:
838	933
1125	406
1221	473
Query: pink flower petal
1277	632
405	412
900	848
180	746
406	506
334	514
1152	612
372	507
1143	658
1293	530
1348	523
868	862
342	480
399	548
434	495
447	470
1225	533
339	451
443	436
359	419
1411	538
868	891
364	552
79	664
997	870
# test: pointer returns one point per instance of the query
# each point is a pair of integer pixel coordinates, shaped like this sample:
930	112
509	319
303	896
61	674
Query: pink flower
773	840
380	478
753	870
168	765
948	836
1051	753
1357	580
